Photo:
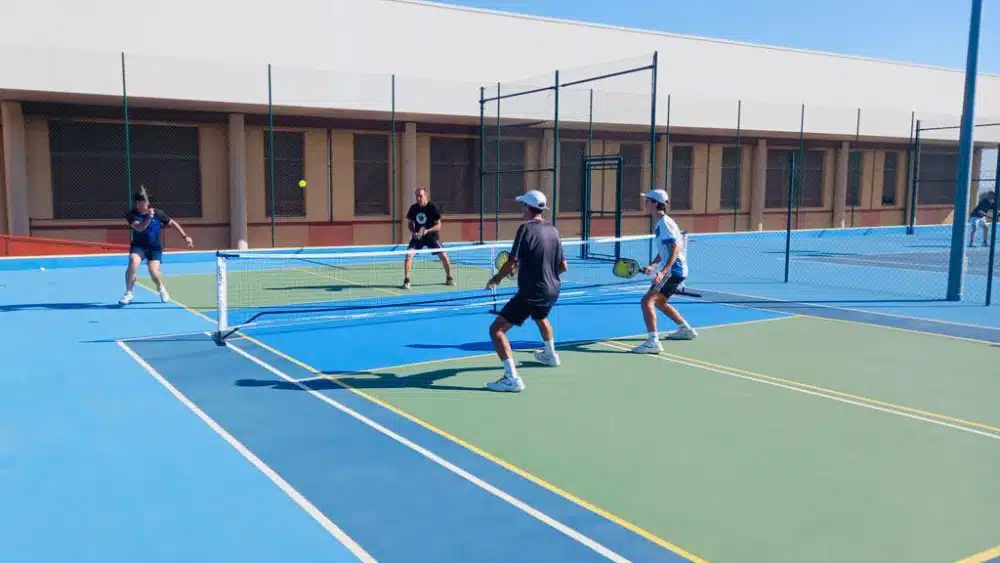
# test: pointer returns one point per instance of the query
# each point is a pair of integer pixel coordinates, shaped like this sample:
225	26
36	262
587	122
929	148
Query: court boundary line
985	556
815	390
298	498
454	468
778	301
669	546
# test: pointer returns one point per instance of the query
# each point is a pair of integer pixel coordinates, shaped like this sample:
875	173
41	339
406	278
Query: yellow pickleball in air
302	183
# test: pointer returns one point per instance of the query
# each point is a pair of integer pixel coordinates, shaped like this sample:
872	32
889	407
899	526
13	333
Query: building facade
365	122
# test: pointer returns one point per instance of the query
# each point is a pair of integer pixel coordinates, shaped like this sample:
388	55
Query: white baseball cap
659	196
534	198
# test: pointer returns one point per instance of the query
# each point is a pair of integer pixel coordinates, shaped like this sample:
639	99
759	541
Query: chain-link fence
259	156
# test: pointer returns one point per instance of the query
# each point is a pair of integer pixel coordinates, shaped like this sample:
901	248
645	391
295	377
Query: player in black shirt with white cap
537	254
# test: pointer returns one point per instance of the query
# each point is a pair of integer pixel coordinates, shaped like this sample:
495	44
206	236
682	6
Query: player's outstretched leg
684	332
407	268
547	355
154	272
133	266
648	304
511	381
448	279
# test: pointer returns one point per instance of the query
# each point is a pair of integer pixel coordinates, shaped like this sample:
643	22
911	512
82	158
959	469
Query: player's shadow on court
362	380
481	346
334	287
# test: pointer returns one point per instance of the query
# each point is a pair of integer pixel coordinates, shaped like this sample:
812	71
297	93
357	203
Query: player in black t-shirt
538	255
424	222
147	226
977	219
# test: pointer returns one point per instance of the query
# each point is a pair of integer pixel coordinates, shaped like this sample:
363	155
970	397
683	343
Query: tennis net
265	289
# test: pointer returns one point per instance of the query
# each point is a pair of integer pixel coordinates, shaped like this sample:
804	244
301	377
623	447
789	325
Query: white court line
734	373
894	315
517	503
300	500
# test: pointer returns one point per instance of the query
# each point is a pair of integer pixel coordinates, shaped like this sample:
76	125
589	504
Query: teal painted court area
823	419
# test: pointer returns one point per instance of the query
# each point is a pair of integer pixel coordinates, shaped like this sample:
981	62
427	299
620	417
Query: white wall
441	54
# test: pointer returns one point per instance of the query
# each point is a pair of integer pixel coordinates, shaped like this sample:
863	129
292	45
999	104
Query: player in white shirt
667	279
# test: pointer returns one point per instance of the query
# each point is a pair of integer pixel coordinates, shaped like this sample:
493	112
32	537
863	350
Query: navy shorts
518	309
669	286
148	254
426	242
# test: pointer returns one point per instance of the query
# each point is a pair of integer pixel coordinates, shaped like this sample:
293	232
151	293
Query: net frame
594	280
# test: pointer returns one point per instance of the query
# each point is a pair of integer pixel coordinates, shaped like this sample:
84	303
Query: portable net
260	289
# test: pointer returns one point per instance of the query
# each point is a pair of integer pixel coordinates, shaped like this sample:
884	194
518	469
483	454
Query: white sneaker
551	360
650	346
507	383
164	296
683	333
126	299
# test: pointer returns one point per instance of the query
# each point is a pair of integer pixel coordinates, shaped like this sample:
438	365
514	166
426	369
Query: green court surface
794	439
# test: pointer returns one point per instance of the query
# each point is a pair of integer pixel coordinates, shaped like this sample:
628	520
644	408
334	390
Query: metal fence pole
993	232
270	148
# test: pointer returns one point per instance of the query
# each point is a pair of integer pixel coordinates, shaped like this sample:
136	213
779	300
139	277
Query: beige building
198	131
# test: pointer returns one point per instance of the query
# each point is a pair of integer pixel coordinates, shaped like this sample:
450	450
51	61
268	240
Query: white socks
509	368
550	347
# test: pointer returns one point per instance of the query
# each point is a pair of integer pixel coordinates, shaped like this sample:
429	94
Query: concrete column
759	187
410	181
15	159
237	182
660	172
548	158
840	185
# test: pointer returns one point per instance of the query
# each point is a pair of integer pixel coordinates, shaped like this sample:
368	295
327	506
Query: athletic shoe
507	383
683	333
164	296
551	360
650	346
126	299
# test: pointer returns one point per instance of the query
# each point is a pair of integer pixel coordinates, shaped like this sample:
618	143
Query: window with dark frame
89	178
890	175
571	155
371	175
729	196
454	174
632	169
938	172
681	177
855	165
781	170
289	168
511	184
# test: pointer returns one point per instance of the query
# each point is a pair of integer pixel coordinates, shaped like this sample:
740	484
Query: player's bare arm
505	270
180	229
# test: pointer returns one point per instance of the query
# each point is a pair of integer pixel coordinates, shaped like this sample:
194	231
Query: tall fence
326	157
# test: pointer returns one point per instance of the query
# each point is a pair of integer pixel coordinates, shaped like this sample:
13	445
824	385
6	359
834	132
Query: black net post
990	272
270	157
916	180
128	142
909	169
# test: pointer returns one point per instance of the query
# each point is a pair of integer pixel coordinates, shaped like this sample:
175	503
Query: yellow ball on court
302	183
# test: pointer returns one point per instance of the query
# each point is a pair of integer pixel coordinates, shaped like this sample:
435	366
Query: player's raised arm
169	222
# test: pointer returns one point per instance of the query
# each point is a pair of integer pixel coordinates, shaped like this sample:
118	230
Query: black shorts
425	242
668	286
149	254
518	309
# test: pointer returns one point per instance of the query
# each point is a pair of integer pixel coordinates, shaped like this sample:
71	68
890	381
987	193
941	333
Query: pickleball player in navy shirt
537	255
978	221
147	225
424	222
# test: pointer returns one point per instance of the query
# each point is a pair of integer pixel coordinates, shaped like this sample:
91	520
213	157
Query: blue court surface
127	434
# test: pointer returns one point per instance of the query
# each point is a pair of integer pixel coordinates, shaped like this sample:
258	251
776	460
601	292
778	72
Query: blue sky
931	32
